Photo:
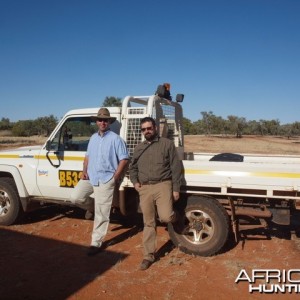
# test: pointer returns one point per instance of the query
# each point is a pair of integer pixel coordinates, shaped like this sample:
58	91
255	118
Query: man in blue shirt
104	163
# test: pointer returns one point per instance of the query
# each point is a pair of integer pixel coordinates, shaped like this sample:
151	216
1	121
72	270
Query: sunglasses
143	129
102	120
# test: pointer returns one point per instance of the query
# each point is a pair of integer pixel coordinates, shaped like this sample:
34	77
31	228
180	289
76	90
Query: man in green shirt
156	173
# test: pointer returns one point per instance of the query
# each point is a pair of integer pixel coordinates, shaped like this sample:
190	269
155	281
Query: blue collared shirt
104	154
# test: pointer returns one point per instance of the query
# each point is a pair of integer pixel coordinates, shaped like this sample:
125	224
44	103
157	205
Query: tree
39	126
237	125
269	127
24	128
5	124
187	125
198	127
112	101
272	127
252	127
207	118
295	128
45	125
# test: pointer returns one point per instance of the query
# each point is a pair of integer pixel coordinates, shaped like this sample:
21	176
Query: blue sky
234	57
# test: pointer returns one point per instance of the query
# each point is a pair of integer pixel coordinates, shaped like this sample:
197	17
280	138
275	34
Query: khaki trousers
103	200
81	195
155	197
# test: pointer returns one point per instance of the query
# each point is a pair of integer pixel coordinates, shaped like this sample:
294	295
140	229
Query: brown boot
145	264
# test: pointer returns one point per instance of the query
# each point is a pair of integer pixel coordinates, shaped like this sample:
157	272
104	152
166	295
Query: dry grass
246	144
7	142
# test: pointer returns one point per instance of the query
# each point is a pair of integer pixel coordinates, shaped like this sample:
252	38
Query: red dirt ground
45	258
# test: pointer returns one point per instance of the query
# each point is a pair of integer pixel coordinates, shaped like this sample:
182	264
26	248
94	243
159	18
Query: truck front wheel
10	207
205	227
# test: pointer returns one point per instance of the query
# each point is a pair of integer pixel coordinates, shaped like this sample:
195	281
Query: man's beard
149	137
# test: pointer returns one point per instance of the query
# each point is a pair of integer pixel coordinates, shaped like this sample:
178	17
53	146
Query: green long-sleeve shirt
155	162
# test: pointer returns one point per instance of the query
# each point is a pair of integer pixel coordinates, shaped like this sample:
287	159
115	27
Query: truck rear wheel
205	228
10	207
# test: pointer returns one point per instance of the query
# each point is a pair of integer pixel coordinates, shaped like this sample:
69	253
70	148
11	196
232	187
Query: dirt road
45	258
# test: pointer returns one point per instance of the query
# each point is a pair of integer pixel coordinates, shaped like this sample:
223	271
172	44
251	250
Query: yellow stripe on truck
16	156
76	158
9	156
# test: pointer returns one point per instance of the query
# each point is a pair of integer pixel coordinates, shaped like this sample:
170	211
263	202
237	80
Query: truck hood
23	150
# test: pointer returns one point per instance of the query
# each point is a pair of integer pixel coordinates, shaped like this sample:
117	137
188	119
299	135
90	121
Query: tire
10	206
206	227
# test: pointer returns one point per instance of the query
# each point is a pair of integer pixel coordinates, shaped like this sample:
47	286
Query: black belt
154	181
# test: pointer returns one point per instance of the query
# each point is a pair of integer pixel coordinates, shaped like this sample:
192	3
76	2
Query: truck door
61	162
60	166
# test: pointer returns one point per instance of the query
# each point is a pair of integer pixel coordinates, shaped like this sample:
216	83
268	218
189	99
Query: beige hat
103	113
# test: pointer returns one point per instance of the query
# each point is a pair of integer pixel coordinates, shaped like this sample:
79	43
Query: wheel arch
12	172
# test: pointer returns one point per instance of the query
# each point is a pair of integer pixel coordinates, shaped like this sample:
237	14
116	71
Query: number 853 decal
68	178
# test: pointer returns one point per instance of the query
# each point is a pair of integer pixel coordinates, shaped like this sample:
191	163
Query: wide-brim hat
103	113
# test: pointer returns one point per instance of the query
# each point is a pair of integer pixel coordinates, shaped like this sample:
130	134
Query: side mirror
179	97
51	146
48	145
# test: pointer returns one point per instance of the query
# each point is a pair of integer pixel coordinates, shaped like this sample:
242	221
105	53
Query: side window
75	134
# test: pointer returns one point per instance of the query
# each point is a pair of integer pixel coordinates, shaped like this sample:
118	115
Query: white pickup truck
221	192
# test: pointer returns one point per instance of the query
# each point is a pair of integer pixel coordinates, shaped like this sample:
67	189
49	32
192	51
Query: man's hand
137	186
175	196
117	177
120	170
84	176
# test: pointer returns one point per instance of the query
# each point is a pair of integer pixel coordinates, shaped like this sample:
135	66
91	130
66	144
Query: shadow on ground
35	268
286	232
38	213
